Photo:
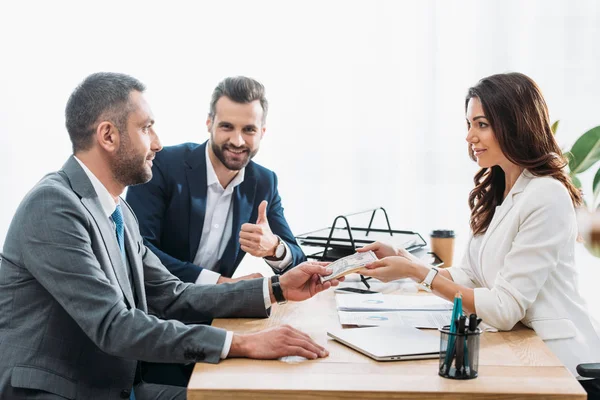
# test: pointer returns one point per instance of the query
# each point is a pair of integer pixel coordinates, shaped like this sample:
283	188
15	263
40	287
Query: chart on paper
390	302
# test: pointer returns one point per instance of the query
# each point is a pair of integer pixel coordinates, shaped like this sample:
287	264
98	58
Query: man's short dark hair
101	95
240	89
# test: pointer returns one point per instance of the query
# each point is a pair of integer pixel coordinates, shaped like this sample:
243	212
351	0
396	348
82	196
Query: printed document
400	285
416	319
390	302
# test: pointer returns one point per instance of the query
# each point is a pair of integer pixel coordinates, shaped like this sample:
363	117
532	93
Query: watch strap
426	283
279	244
277	291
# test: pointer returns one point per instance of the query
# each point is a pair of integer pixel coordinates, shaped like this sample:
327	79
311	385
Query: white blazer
526	272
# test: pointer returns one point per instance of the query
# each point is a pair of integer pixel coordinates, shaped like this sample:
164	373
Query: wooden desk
512	365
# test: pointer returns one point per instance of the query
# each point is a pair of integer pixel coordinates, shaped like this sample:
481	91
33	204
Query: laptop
387	343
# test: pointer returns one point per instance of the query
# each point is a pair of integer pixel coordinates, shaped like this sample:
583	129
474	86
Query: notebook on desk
390	343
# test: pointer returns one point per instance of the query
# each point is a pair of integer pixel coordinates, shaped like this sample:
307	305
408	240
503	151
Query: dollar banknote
349	264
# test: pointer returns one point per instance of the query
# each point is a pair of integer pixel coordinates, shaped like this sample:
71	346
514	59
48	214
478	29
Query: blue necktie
117	217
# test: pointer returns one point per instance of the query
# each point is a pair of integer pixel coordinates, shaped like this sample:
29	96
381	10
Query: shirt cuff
266	295
227	345
208	277
281	264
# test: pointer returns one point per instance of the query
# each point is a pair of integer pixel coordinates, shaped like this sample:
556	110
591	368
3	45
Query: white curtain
367	97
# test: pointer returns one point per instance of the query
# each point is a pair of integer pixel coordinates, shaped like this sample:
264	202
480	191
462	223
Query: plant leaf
596	186
554	126
576	181
586	151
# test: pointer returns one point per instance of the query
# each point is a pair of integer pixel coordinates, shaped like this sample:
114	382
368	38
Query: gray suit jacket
69	325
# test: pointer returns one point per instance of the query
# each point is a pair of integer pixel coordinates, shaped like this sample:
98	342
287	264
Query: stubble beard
232	165
130	168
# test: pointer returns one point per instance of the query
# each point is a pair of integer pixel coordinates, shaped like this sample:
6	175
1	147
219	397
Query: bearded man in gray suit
82	299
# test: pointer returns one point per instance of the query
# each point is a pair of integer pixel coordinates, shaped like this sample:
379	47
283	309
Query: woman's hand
410	257
389	268
402	265
393	263
381	250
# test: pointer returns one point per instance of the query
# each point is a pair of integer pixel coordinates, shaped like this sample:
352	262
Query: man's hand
257	239
275	343
223	279
302	282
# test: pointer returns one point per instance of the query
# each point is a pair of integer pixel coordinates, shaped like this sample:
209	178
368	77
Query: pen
456	313
469	352
460	345
473	322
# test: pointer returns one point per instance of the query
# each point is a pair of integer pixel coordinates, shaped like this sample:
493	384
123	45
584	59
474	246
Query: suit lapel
196	180
83	187
506	206
243	201
132	249
112	247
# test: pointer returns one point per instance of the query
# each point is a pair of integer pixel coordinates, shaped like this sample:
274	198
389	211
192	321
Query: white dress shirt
106	200
109	205
218	224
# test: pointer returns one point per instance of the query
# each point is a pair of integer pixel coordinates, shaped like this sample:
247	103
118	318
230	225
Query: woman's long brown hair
518	115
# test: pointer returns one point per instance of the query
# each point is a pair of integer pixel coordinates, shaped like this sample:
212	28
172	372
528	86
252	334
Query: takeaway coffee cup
442	244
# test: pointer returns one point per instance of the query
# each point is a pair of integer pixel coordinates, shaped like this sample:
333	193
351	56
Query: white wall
366	97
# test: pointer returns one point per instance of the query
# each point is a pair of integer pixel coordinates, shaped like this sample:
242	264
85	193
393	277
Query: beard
129	167
233	162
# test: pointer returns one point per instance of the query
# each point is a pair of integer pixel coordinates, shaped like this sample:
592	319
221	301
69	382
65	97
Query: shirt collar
211	175
106	200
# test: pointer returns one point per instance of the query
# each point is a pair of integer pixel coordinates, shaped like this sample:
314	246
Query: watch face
279	250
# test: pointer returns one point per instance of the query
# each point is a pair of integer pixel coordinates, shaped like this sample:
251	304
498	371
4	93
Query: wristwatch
279	251
277	292
426	284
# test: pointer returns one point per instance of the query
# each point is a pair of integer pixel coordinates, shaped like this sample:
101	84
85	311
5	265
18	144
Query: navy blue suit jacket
171	207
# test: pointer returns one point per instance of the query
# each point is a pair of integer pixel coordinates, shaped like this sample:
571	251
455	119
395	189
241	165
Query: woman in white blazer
519	264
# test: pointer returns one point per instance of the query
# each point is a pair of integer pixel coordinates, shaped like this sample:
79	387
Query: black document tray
342	238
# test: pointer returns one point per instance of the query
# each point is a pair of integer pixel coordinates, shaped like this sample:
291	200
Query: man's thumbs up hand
257	239
262	214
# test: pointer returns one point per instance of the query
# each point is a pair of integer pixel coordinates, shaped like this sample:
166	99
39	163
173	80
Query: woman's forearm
443	286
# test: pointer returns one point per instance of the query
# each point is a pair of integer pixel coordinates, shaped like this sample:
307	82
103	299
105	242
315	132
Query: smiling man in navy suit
208	204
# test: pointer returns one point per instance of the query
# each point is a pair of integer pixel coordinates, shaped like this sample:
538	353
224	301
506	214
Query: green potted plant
583	155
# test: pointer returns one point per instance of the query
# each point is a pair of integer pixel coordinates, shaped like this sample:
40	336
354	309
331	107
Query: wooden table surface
512	365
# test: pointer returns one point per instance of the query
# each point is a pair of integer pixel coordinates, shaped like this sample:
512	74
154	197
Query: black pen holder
459	353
